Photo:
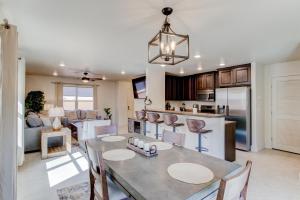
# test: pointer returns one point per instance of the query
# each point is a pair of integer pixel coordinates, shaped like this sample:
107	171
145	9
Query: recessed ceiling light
162	65
104	78
123	72
181	71
199	68
62	64
55	73
197	56
222	64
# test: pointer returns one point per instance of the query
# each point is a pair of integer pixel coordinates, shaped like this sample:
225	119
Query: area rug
75	192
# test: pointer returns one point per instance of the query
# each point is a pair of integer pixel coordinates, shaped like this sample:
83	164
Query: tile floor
275	175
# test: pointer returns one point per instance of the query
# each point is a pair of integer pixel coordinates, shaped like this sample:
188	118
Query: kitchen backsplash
189	104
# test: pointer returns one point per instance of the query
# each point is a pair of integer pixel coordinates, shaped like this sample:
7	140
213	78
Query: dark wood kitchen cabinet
189	87
225	78
242	75
235	76
173	88
180	88
206	81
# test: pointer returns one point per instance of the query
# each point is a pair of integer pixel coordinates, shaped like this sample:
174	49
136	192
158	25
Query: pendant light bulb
173	45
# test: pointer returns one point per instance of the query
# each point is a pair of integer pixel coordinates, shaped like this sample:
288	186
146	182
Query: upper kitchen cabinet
225	78
235	76
180	88
174	88
206	81
242	75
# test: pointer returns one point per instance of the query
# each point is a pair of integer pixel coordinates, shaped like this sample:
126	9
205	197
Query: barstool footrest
202	149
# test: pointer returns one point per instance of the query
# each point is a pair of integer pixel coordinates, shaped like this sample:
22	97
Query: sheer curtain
59	94
8	111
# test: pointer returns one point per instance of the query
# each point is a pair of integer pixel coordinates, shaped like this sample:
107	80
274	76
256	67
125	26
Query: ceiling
106	37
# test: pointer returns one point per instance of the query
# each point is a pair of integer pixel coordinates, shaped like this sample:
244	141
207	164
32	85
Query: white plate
118	154
190	173
162	145
113	138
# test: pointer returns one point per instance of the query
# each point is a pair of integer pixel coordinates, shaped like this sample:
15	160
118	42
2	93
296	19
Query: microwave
205	95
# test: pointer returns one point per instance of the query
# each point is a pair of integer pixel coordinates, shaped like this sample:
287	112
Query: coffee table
48	152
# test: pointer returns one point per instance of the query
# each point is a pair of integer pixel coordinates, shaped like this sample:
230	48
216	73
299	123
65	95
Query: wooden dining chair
235	187
101	187
105	130
173	138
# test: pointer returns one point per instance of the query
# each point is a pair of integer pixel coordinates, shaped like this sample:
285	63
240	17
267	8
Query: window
78	97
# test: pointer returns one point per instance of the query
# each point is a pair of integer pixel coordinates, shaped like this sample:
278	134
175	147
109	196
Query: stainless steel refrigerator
237	101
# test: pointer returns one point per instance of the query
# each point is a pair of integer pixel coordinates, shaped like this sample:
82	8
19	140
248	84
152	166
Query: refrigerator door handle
227	110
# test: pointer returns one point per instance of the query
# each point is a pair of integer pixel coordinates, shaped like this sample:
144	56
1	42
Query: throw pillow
33	120
46	121
91	114
82	114
71	115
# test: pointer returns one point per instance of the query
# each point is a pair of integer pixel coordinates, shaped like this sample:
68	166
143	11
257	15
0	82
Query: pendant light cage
168	47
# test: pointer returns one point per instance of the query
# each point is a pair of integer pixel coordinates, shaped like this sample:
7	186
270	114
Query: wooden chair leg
92	185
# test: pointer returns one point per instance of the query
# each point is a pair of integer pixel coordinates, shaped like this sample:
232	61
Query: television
139	87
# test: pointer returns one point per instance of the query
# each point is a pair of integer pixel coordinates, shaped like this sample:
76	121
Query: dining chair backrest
195	125
104	130
140	115
170	119
97	170
235	187
152	117
173	138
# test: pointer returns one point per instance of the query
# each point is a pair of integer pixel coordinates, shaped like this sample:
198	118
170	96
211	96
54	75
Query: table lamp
56	112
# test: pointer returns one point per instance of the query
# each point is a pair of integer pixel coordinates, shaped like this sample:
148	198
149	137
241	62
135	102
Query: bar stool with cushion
235	187
102	188
101	131
170	120
141	115
154	119
177	139
197	126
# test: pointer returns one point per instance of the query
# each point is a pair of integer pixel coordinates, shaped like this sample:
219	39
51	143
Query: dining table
147	178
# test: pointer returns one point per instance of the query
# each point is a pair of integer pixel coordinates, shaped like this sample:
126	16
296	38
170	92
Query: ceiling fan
86	78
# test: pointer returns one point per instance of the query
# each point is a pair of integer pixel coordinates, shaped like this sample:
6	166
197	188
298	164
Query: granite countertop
209	115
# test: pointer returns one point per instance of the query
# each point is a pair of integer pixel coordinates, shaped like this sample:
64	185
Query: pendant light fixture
168	47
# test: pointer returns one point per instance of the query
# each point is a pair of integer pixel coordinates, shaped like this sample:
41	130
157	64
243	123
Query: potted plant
35	101
108	113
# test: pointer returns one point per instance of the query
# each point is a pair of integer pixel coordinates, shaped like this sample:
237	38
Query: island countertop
208	115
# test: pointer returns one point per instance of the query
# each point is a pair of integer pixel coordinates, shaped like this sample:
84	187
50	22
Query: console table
48	152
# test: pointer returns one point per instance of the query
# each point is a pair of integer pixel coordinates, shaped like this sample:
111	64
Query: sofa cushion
71	115
83	114
33	120
91	114
46	121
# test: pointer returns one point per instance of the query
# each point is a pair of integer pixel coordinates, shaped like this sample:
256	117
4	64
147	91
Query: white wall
8	113
275	70
124	96
257	106
106	91
21	109
155	84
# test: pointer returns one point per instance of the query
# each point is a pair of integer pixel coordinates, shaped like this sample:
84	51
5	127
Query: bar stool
153	118
196	126
141	115
170	120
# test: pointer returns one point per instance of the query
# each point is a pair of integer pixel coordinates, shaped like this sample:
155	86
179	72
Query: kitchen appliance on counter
235	103
205	95
196	106
208	109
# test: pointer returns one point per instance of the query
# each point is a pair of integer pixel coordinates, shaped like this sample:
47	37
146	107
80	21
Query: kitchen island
213	141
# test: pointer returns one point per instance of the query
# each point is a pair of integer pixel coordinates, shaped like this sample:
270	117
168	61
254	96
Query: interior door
286	113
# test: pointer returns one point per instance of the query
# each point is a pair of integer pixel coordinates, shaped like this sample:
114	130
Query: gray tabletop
147	178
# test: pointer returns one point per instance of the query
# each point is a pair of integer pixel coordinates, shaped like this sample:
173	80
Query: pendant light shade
168	47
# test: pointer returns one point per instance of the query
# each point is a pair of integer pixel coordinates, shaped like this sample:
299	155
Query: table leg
68	143
44	145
